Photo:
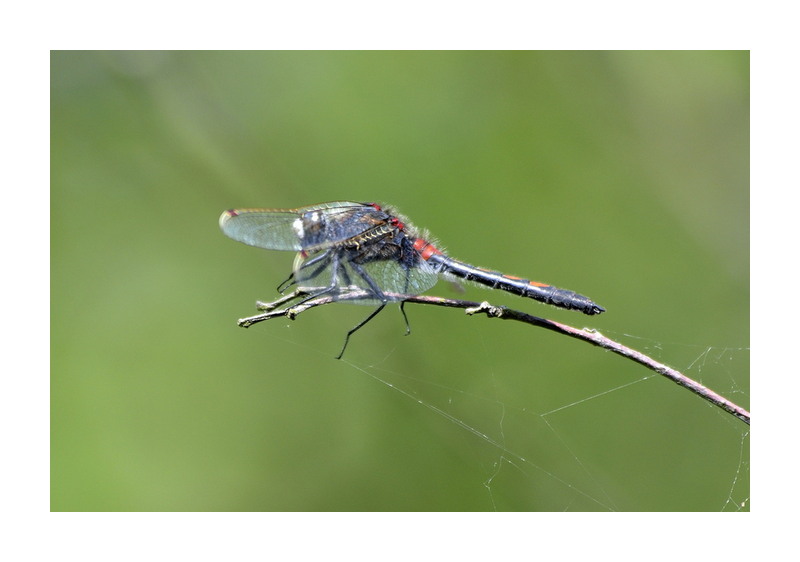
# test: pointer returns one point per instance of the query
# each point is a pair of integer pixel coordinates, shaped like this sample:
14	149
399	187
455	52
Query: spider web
609	446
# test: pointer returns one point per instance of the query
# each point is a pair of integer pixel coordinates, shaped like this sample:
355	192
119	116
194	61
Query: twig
272	310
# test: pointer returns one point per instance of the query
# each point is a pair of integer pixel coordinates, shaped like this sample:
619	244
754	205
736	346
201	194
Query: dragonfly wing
316	270
391	276
307	228
264	228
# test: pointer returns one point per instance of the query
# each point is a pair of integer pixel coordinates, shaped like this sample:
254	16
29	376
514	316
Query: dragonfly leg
287	283
299	276
373	287
359	326
333	259
405	318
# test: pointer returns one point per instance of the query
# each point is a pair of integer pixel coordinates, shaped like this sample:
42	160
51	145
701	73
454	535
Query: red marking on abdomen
425	248
537	284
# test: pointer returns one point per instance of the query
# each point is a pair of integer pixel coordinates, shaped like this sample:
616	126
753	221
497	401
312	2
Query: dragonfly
346	245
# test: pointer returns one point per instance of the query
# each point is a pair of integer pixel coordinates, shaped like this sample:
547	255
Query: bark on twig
273	310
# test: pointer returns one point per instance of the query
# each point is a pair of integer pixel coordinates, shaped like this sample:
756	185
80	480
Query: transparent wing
393	277
263	228
285	229
388	275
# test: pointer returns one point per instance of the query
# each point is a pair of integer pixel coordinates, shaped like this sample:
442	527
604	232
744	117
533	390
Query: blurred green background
621	175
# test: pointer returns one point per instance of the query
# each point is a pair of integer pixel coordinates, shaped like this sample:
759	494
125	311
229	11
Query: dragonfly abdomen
541	292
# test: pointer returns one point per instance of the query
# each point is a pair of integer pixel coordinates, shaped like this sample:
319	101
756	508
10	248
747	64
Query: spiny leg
407	285
335	266
358	326
373	287
405	318
325	257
